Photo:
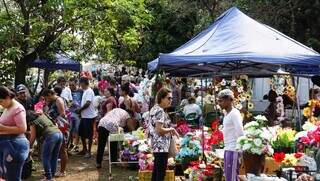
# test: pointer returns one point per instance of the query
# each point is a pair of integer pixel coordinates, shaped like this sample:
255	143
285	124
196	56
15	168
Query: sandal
60	174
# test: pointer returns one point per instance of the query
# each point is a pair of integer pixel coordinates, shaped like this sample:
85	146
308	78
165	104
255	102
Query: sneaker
60	174
75	149
71	147
88	155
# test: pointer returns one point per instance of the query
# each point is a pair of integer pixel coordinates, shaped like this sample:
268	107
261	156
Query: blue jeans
13	153
75	122
50	153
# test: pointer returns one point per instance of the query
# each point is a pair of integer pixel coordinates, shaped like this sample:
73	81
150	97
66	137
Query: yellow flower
307	112
312	102
248	97
290	88
250	105
313	120
290	160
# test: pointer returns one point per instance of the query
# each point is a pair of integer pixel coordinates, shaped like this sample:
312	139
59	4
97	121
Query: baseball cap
21	88
226	93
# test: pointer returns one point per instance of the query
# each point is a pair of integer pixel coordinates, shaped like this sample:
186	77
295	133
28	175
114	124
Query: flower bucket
253	163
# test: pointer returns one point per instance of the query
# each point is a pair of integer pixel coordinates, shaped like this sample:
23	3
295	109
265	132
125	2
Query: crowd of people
83	110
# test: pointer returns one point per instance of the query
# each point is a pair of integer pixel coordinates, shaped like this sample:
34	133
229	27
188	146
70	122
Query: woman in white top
232	130
192	107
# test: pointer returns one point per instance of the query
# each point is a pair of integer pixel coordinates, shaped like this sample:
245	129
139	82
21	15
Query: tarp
61	62
235	43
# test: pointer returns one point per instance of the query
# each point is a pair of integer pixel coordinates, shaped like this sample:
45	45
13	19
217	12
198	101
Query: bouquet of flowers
256	138
285	139
146	161
190	149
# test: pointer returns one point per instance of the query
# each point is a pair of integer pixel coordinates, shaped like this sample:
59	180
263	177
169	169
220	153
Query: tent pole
202	126
298	119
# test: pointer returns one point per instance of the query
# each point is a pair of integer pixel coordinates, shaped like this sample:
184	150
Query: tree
32	28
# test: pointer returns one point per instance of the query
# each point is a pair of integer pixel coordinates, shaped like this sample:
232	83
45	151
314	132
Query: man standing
232	130
75	117
88	115
24	98
66	92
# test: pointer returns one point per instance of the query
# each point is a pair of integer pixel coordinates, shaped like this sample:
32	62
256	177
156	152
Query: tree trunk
20	74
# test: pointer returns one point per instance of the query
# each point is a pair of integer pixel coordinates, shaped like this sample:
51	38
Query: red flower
298	155
215	124
216	138
305	140
279	157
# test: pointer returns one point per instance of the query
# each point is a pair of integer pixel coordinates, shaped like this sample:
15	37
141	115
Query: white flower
246	146
256	151
308	126
240	89
143	148
202	166
223	82
300	134
257	142
251	124
171	161
233	83
261	118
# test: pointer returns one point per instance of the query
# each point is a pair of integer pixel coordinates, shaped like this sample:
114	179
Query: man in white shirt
88	115
66	91
232	130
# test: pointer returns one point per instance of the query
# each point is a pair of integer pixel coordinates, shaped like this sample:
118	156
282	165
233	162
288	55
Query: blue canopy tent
235	44
61	62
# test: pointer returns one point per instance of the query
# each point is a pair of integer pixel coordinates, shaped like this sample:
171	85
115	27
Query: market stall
231	51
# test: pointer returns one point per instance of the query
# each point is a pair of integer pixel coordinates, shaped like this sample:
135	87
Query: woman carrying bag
161	133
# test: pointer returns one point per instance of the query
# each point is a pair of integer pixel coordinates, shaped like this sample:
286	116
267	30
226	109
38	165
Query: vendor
271	111
192	107
232	130
110	123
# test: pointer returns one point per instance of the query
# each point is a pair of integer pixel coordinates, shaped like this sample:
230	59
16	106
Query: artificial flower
307	112
298	155
250	105
279	157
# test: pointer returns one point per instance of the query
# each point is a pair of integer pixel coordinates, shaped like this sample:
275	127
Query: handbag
172	148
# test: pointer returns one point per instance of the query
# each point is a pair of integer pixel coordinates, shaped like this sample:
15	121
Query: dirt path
83	169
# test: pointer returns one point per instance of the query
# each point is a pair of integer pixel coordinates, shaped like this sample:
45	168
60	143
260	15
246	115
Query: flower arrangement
287	160
308	111
130	151
285	138
282	85
256	138
241	88
190	149
146	161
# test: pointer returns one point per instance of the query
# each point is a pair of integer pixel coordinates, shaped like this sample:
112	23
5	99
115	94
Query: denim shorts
13	153
74	122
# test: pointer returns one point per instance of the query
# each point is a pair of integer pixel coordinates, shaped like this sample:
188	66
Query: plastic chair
192	119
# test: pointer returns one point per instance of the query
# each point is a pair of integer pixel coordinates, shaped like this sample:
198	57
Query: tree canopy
129	31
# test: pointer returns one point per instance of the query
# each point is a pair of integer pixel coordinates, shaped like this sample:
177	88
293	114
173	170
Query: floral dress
159	143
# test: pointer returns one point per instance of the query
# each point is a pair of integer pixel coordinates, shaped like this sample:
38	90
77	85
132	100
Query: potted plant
255	144
284	140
